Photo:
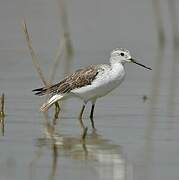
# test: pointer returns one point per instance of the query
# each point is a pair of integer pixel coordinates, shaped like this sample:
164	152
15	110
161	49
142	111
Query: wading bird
90	83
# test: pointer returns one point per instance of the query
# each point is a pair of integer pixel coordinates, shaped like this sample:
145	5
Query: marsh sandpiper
90	83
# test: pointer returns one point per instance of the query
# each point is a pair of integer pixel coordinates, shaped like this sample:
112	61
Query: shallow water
137	124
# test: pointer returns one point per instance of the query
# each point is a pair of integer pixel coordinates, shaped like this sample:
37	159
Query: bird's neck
116	65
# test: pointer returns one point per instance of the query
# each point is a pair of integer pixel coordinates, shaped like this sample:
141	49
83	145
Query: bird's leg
80	117
81	112
81	122
57	111
91	114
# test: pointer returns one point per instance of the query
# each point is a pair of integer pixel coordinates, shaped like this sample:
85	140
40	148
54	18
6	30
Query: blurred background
137	124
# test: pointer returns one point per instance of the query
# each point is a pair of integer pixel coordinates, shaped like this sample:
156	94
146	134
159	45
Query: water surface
136	137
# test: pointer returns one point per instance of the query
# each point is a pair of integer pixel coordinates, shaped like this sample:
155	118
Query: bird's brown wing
80	78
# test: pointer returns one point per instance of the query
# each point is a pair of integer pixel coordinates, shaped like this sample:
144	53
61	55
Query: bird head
123	56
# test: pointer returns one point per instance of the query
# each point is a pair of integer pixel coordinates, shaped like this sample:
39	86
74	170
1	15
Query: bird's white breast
108	78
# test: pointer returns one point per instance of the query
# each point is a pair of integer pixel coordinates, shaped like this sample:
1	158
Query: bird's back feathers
80	78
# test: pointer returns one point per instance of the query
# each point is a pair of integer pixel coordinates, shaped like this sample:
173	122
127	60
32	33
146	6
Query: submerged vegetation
2	114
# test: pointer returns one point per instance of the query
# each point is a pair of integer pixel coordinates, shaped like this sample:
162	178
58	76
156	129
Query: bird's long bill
134	61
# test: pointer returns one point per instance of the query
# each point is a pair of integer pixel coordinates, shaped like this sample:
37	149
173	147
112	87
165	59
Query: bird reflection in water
109	160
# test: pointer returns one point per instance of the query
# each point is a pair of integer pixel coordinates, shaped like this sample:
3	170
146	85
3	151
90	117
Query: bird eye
122	54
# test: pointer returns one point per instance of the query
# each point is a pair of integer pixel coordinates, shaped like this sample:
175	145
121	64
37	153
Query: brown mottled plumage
79	78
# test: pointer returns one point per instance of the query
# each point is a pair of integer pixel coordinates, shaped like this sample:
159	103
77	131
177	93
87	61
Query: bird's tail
40	91
50	102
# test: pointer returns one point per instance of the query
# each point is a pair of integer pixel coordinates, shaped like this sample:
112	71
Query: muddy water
137	124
